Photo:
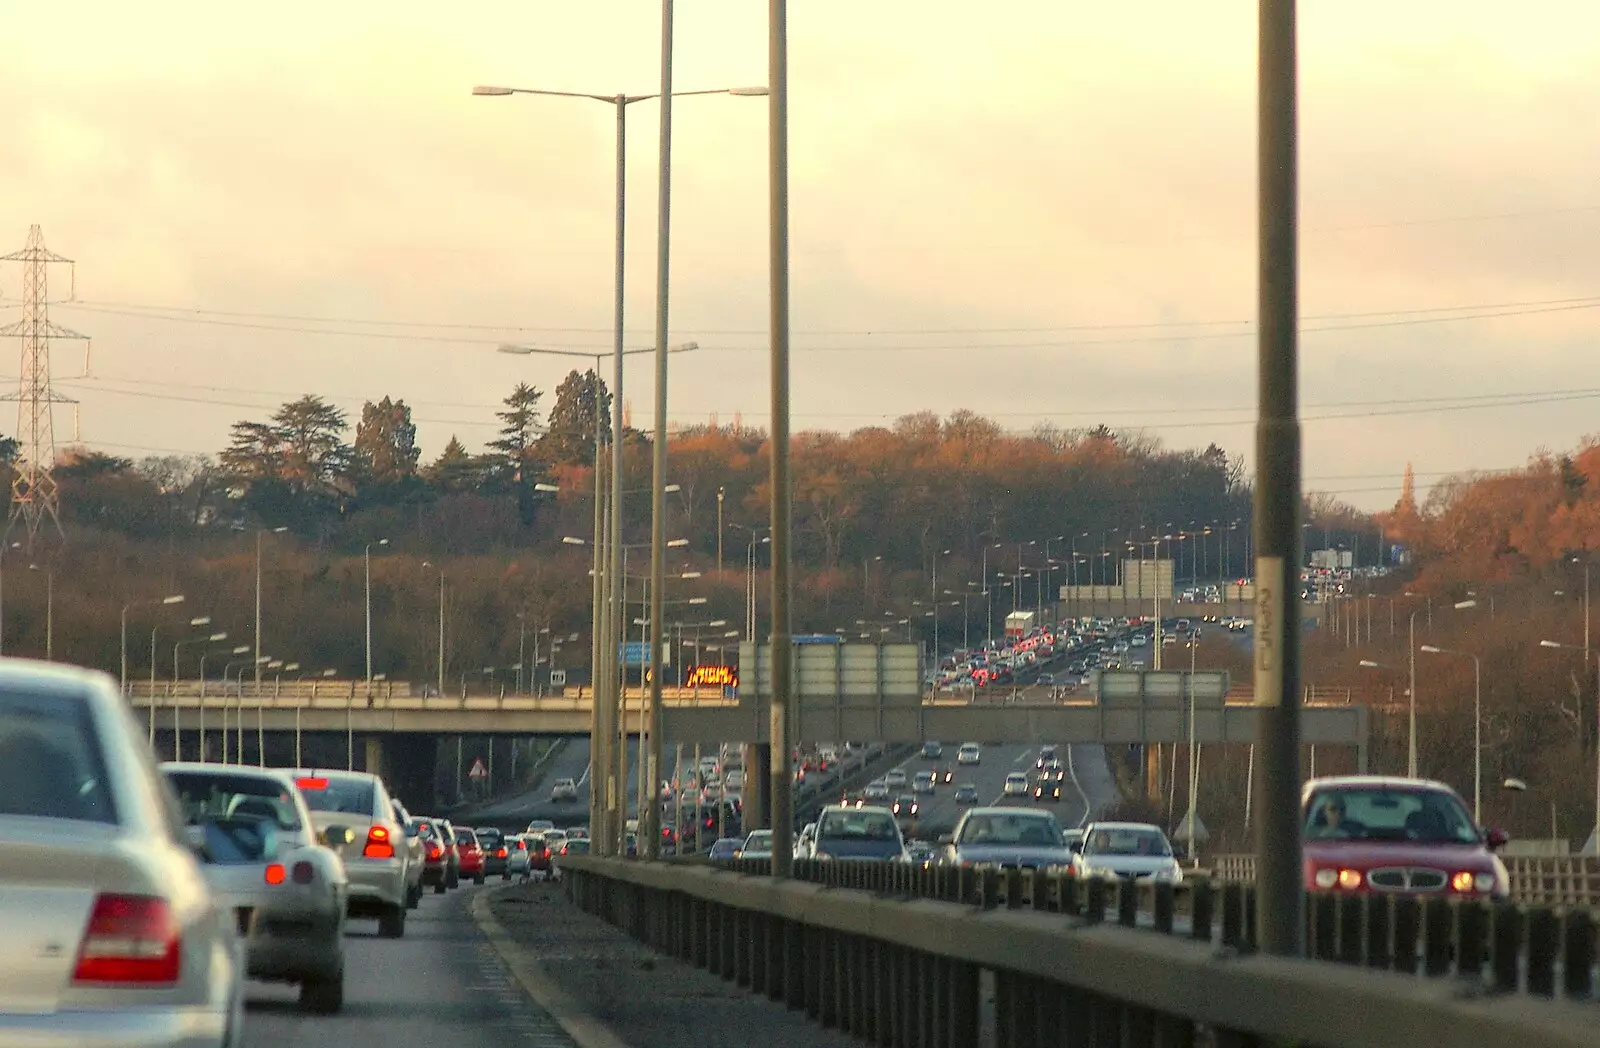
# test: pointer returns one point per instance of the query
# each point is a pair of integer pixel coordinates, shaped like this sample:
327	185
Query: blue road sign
636	653
817	638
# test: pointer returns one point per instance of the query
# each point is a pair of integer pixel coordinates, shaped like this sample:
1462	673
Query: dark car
967	793
496	857
932	751
441	864
1046	755
1046	787
906	806
1365	833
858	833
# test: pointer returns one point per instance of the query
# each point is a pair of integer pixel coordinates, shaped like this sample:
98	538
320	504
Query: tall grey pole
259	535
367	558
650	818
1477	741
441	636
597	722
1280	898
1411	735
615	802
782	777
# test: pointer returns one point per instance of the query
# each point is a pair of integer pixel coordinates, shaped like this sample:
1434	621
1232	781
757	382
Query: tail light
304	872
129	939
276	874
378	844
500	854
434	852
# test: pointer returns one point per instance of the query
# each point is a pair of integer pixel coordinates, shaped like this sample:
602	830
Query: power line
406	330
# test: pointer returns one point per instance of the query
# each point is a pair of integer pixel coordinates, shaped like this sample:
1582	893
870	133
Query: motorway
441	984
1089	787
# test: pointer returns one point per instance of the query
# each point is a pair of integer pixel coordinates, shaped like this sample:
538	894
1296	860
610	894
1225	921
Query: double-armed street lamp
621	102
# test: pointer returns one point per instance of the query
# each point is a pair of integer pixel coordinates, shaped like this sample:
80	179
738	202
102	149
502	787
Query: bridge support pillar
372	757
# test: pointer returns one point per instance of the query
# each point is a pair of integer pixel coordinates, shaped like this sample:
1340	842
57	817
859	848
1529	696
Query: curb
584	1029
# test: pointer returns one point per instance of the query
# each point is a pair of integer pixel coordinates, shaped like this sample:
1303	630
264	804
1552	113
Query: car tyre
455	880
323	996
414	897
479	878
392	924
439	889
506	876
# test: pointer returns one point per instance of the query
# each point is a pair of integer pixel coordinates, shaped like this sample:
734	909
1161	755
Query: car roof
1124	826
1004	810
1397	782
880	809
211	768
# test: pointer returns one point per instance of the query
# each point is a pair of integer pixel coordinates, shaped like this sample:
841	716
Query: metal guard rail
896	954
1537	880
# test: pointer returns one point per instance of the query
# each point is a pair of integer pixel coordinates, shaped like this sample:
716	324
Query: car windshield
489	837
351	796
208	796
466	838
1030	829
51	765
1388	814
1142	841
857	826
761	839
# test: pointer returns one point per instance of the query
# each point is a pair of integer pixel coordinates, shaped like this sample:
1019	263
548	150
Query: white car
563	790
1115	850
517	855
734	781
970	753
877	790
896	779
355	817
924	782
289	891
1016	784
112	935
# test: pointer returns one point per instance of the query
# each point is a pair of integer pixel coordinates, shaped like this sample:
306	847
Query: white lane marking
1024	755
585	776
1073	771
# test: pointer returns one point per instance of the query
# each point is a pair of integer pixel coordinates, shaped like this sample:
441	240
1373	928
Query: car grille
1407	879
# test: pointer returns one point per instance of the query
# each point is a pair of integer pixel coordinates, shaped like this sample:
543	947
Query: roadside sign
636	653
478	772
817	638
558	678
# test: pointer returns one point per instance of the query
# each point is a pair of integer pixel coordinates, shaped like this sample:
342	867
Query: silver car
112	936
265	864
354	816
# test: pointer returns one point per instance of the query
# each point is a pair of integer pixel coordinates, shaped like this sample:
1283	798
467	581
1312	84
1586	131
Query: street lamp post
177	727
176	598
1477	725
613	627
440	569
260	534
367	558
1586	652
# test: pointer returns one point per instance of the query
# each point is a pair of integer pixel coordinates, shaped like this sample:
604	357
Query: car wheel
413	897
455	879
479	878
323	996
438	889
506	876
392	925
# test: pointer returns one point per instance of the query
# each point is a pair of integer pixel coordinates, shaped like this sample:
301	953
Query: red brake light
378	846
304	872
129	939
501	854
275	873
311	783
434	851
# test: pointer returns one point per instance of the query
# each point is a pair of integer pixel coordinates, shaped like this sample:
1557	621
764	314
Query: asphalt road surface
440	985
1087	789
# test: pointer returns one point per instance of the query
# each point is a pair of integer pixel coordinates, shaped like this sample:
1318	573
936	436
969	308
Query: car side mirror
337	836
1498	839
947	839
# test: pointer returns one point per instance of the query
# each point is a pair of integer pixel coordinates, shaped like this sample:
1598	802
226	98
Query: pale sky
1041	211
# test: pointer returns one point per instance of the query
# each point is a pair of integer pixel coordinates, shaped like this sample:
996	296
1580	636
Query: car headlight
1484	882
1326	878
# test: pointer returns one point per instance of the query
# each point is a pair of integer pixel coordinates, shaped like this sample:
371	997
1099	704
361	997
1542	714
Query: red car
538	856
1368	833
471	855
